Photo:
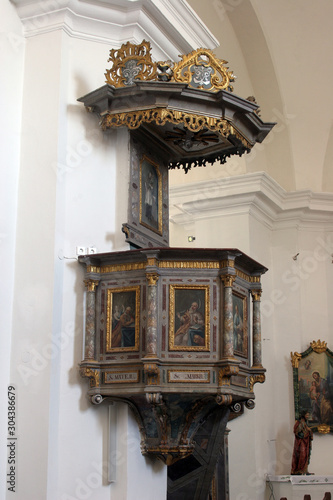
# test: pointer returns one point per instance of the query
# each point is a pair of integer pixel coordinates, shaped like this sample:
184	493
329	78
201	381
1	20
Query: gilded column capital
256	294
152	279
91	285
228	280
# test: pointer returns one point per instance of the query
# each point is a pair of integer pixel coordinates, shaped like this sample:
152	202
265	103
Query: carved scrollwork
130	63
236	407
97	399
202	70
224	399
152	373
93	375
250	404
254	379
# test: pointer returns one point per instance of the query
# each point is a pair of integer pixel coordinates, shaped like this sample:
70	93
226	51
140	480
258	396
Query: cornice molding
256	194
171	26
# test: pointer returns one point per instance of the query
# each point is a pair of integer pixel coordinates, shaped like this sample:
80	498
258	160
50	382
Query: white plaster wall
11	82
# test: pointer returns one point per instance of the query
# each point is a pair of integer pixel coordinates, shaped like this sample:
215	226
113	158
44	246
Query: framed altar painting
313	386
189	318
240	322
123	313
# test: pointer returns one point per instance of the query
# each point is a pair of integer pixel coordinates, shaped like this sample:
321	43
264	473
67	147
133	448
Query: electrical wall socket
92	250
81	251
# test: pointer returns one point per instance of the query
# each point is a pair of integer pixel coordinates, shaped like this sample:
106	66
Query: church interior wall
62	190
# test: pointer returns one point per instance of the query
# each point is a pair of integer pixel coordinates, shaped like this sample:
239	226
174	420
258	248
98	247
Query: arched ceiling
280	52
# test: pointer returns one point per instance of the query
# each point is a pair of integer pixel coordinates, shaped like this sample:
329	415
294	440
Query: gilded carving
130	63
202	70
228	280
152	373
93	269
171	264
324	429
246	277
161	116
92	374
295	359
91	285
318	346
152	279
256	294
254	379
227	263
226	372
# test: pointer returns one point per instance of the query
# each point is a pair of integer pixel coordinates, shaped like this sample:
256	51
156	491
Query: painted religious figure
240	324
123	320
313	386
189	320
302	445
150	195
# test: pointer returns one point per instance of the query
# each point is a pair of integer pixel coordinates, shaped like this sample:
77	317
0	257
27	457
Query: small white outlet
80	250
92	250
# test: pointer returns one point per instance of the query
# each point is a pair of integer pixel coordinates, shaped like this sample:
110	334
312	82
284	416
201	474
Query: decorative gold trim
93	269
152	279
161	116
116	372
189	381
93	375
151	261
219	76
172	290
227	280
130	63
318	346
256	294
133	266
159	189
171	264
227	263
152	373
324	429
246	277
110	292
254	379
295	359
91	285
226	372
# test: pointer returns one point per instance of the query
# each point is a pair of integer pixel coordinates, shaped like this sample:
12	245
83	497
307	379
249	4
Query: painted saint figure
192	329
321	406
302	446
149	196
123	333
238	330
